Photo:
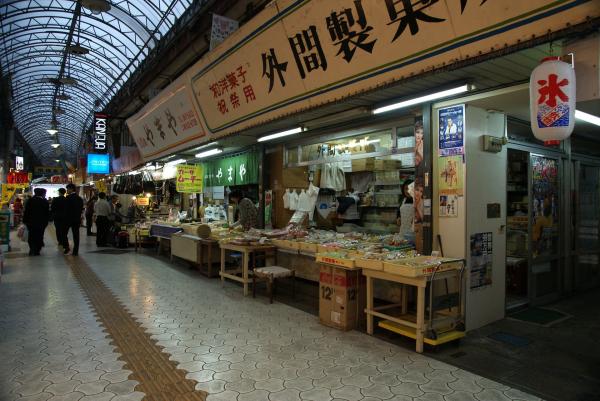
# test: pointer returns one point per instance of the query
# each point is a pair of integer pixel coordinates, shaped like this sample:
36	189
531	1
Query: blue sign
452	130
98	164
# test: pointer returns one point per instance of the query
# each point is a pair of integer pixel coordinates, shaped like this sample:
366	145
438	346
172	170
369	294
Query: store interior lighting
588	118
422	99
52	131
206	145
175	162
55	145
208	153
280	134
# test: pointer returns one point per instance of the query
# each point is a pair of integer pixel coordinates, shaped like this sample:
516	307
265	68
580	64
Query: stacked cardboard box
342	297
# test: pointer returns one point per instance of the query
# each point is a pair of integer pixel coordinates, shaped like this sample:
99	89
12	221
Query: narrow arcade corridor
116	325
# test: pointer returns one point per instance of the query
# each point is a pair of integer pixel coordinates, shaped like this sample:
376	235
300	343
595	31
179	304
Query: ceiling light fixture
55	145
96	6
77	49
207	153
423	99
206	145
52	131
280	134
588	118
175	162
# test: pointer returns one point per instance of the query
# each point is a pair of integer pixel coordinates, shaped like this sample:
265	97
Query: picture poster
189	178
451	175
545	198
452	130
481	260
448	205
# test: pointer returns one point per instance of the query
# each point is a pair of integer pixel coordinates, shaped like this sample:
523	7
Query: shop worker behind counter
247	212
35	217
74	212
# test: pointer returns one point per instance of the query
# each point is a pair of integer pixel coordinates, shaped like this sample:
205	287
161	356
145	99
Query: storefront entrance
534	234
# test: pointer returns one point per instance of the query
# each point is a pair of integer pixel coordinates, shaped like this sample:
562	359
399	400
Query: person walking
89	215
58	208
74	210
35	217
102	211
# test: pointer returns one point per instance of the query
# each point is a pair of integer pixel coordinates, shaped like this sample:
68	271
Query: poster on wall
452	130
545	198
451	175
448	205
189	178
481	260
268	208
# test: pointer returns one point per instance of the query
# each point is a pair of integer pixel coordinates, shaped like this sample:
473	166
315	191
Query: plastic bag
23	233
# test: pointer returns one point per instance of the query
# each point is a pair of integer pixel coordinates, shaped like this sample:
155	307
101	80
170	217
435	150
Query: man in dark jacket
59	216
73	218
35	217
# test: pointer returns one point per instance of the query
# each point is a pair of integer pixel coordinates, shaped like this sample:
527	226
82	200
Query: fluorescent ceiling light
58	161
588	118
280	134
422	99
207	145
175	162
55	145
52	131
209	153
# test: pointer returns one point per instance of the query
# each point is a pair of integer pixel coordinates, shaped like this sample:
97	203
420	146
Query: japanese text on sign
189	178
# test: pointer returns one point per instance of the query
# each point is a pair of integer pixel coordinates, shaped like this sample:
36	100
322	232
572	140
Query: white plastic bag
23	233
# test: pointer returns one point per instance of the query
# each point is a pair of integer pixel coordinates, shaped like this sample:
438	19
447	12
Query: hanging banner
298	54
100	132
189	178
128	160
451	175
236	170
222	27
169	123
452	130
9	190
17	177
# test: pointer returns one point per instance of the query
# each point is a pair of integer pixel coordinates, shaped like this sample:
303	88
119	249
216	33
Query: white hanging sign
552	100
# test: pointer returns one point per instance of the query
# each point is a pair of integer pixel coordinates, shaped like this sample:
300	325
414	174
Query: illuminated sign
100	123
98	164
19	163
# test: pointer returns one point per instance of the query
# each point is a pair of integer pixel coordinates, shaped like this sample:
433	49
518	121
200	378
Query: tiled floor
236	348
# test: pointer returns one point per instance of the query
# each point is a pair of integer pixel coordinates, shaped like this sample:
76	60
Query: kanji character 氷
413	13
235	100
171	121
271	67
249	93
302	45
339	24
222	106
149	134
550	90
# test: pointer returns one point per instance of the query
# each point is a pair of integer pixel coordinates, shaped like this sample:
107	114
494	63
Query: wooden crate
308	247
420	266
286	244
372	264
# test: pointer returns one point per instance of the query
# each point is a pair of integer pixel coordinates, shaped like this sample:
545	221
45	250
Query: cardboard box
330	260
363	164
342	297
381	165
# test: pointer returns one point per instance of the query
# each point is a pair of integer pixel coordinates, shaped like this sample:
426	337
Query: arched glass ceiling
34	35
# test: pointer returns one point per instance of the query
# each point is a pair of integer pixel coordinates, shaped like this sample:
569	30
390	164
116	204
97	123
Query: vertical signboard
222	27
100	132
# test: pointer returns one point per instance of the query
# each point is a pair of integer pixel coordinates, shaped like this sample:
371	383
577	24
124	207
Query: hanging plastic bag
23	233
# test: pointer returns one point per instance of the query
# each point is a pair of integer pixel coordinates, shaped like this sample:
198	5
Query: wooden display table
413	326
246	251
